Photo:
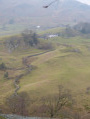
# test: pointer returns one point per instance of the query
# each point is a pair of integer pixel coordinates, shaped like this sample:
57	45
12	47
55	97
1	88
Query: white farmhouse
52	36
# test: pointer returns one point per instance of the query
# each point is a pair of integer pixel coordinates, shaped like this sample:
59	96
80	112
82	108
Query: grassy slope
62	66
52	31
12	60
17	28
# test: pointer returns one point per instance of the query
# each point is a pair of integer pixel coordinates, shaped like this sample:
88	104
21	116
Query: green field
68	65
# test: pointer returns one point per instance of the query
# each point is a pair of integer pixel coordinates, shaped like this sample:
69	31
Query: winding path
29	69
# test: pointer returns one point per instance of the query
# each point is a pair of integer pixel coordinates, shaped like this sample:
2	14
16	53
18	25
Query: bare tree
55	103
18	104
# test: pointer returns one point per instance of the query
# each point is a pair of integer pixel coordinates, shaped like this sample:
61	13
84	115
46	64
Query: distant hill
73	11
63	12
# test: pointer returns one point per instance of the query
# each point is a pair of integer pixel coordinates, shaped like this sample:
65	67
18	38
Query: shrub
6	75
2	66
30	38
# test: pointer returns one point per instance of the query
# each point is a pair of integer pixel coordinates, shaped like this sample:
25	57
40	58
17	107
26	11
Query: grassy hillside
14	63
68	65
